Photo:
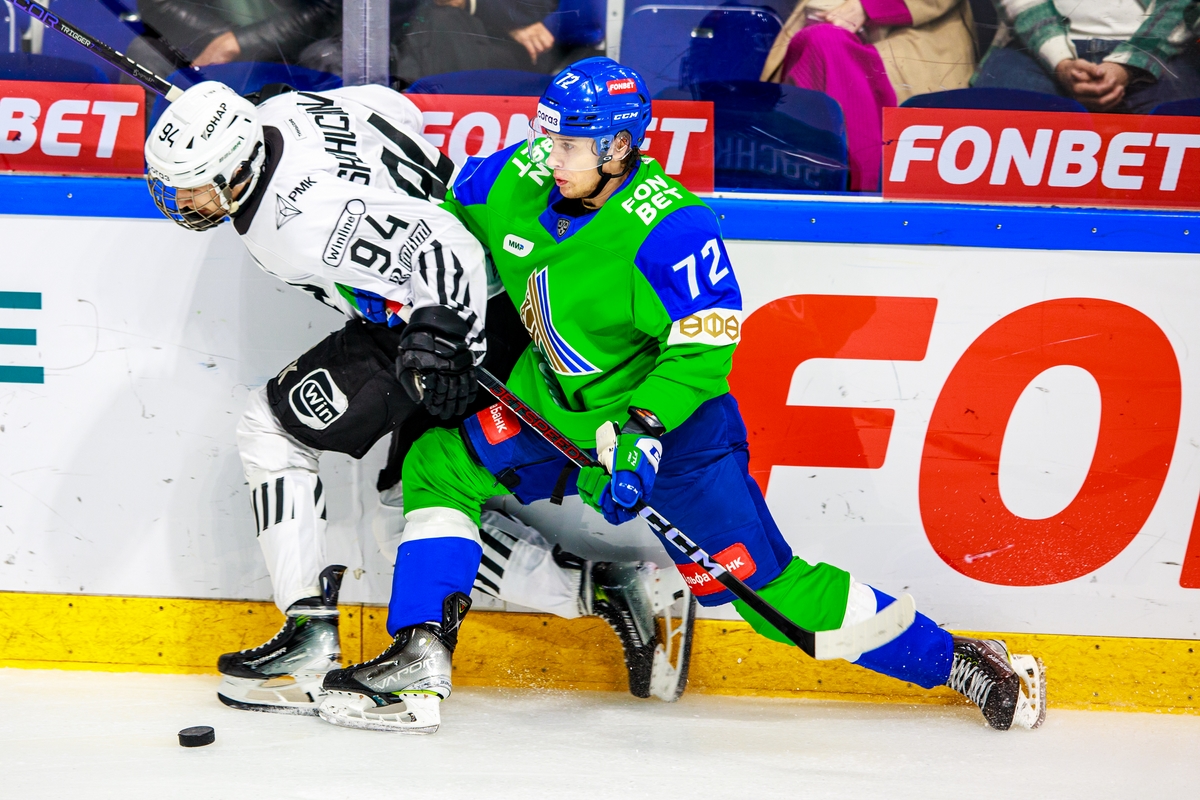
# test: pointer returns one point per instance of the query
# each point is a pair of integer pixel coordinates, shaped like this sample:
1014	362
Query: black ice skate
629	596
284	675
400	689
1009	690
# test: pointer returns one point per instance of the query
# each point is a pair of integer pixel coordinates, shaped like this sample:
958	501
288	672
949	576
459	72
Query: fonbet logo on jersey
517	246
347	224
317	401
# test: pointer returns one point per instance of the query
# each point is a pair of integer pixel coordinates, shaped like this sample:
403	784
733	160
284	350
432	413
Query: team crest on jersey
535	314
285	211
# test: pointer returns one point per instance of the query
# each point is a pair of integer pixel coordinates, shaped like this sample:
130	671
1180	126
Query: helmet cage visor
570	153
195	209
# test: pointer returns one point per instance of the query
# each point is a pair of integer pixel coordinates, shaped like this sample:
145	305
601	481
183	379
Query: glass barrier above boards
789	97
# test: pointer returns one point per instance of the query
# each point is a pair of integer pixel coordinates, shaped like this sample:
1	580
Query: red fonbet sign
680	136
74	128
1041	157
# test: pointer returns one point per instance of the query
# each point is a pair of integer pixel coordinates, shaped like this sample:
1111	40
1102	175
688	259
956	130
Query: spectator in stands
454	35
1110	55
204	32
223	31
871	54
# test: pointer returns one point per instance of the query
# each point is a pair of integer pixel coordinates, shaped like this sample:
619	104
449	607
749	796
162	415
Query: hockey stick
848	642
103	51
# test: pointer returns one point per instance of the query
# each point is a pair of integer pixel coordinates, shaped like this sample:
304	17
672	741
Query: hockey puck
197	736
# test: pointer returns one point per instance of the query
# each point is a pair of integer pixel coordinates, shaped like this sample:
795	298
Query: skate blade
285	694
669	669
414	714
1031	707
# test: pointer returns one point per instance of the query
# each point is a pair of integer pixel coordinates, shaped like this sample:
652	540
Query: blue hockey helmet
595	98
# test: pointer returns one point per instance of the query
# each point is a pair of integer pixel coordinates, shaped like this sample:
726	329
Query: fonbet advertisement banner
1013	436
1045	158
680	136
71	128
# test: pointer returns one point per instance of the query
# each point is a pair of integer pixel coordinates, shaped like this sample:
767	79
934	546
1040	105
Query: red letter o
1138	374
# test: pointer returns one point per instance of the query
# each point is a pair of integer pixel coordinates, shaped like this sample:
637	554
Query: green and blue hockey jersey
635	304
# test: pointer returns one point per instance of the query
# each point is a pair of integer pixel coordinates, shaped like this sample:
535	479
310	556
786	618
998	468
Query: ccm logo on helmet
623	86
548	117
625	115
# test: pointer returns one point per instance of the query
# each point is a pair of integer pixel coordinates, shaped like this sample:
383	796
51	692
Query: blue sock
426	571
921	655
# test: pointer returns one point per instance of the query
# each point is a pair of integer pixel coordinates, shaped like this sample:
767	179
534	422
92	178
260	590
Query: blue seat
245	77
774	137
502	82
578	23
1178	108
680	45
26	67
995	100
114	22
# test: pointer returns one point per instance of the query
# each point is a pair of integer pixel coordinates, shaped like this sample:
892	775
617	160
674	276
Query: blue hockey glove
595	489
631	456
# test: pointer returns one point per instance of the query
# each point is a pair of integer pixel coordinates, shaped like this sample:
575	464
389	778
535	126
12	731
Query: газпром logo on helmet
535	315
623	86
549	118
317	401
347	224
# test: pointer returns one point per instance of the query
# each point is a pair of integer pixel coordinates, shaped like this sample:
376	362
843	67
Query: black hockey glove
435	366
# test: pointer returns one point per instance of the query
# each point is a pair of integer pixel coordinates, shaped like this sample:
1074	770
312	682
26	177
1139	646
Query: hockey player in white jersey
337	194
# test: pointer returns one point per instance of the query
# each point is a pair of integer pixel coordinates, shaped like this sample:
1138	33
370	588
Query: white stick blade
850	642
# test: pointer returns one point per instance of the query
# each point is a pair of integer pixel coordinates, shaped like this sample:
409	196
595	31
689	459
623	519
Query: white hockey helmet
206	147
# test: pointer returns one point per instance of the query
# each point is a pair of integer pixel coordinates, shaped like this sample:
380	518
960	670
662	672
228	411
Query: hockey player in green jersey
621	278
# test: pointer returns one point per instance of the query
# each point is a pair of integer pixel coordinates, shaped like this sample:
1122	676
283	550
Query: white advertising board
888	389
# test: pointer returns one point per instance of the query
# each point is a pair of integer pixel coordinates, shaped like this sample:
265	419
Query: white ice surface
94	735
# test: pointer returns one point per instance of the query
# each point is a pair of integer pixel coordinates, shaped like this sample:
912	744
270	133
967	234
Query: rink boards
993	409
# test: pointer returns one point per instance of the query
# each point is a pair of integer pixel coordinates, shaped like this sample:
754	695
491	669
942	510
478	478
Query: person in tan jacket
871	54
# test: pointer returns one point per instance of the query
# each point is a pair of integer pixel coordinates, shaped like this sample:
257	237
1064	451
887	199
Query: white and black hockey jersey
347	209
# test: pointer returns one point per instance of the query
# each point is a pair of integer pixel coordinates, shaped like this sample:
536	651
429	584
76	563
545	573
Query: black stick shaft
806	640
119	60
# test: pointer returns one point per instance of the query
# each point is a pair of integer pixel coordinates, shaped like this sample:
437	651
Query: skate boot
1009	690
400	689
284	675
629	596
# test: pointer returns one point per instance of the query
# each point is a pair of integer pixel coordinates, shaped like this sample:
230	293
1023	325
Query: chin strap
604	179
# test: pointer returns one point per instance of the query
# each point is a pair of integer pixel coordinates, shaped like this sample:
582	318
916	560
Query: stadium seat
578	23
26	67
114	22
680	45
503	82
245	77
996	100
1178	108
774	137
